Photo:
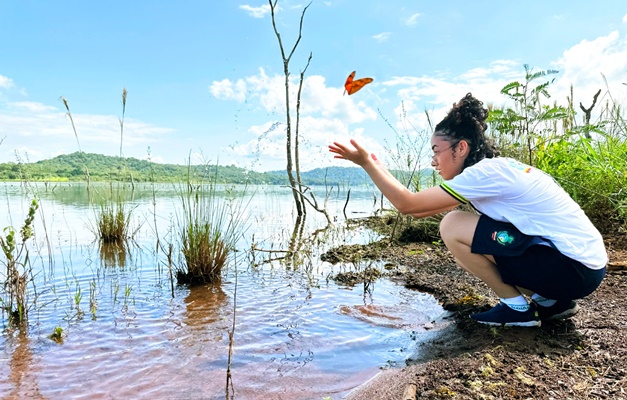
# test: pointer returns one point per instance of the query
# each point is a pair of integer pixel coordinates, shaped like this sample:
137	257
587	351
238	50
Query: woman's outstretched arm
422	204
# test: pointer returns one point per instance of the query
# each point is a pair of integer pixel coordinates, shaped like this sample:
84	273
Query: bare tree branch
297	133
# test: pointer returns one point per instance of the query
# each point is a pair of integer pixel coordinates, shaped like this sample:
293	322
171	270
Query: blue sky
205	78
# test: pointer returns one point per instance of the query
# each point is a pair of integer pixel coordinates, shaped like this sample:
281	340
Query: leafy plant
530	120
588	160
57	335
18	272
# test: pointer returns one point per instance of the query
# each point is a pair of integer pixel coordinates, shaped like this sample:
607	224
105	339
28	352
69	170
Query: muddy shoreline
583	357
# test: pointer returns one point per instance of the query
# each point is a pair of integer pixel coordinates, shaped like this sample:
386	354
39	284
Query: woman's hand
356	154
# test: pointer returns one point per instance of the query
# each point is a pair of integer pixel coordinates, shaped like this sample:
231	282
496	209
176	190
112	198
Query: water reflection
205	306
22	377
113	254
206	323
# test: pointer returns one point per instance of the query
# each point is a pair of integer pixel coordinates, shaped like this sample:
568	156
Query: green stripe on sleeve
453	193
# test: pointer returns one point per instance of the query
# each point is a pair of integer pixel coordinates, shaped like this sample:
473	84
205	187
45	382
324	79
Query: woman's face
448	158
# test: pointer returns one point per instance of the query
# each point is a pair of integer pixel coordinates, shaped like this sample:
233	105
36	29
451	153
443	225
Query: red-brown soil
584	357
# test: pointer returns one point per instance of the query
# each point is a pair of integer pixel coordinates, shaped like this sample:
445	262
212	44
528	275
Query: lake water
298	334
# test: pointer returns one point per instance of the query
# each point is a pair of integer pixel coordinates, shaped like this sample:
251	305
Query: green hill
332	176
77	166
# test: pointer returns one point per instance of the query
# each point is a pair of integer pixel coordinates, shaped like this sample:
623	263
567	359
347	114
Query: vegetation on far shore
71	168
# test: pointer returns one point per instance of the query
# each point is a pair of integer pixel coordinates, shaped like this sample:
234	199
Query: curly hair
467	121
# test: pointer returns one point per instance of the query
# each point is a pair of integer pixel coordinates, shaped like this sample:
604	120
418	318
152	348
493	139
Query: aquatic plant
93	303
113	218
209	228
205	253
18	272
112	222
57	335
69	115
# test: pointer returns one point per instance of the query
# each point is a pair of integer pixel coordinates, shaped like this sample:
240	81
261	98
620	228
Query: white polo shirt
509	191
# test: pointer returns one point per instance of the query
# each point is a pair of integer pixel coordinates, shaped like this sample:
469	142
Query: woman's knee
449	222
458	225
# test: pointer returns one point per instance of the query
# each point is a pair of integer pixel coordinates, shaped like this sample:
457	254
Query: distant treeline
77	167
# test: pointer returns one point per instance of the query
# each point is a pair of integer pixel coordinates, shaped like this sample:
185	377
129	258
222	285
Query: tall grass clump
113	222
113	218
18	271
209	225
586	156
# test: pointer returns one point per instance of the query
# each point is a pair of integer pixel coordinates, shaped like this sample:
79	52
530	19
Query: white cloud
269	90
412	19
33	107
382	37
484	83
592	65
5	83
317	99
226	89
588	66
42	131
256	12
326	114
625	19
498	69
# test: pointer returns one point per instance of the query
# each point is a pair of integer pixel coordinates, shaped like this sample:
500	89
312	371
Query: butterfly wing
349	82
358	84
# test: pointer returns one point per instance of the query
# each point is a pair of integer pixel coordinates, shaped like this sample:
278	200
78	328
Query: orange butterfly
352	86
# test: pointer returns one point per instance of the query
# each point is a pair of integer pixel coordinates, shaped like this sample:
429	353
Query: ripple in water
297	334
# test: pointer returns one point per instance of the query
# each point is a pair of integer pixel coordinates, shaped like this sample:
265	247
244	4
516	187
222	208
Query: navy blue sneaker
562	309
503	315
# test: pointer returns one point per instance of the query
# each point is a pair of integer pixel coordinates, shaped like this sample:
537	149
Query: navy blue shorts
533	263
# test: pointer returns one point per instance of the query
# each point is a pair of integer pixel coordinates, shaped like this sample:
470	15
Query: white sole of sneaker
526	324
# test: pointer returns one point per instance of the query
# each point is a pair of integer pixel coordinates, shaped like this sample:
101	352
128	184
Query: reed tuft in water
112	222
205	252
209	227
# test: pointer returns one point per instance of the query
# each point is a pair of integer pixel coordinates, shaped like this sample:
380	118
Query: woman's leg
457	230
